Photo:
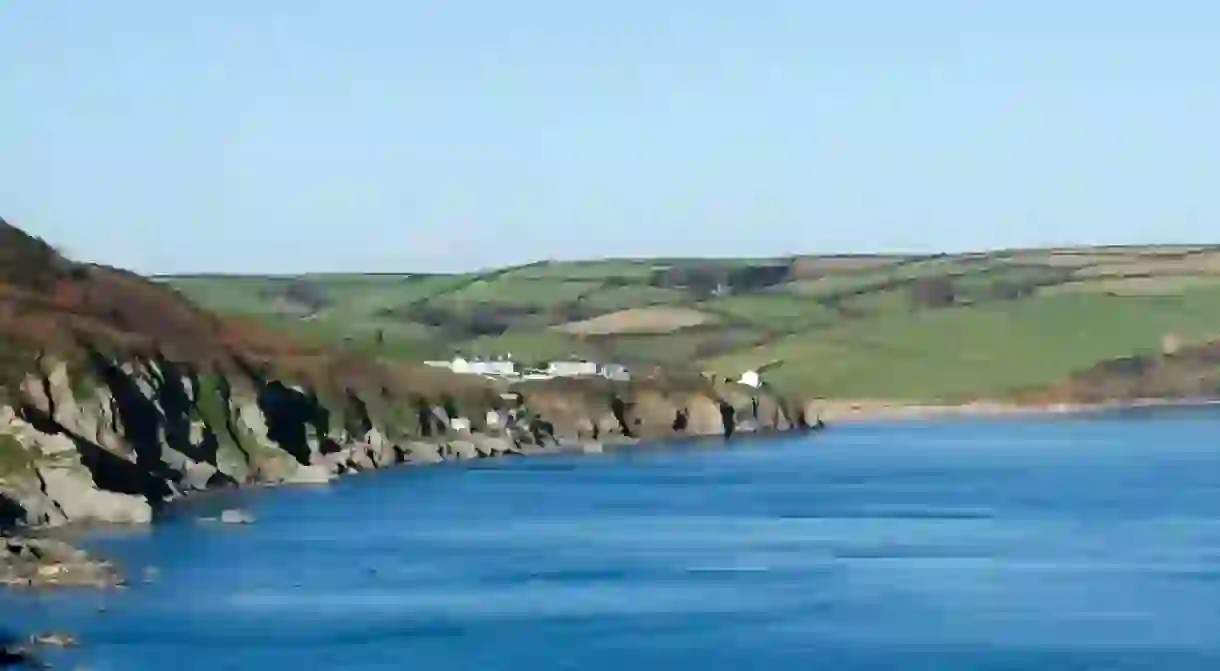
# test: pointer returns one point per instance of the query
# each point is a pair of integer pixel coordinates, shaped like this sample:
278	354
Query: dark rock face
138	414
618	407
729	418
151	430
12	513
429	424
358	409
288	413
110	472
802	420
681	420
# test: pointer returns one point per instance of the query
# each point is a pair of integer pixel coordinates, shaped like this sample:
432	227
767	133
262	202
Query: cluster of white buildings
507	368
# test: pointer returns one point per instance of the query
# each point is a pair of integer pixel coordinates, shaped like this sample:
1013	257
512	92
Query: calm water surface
1057	544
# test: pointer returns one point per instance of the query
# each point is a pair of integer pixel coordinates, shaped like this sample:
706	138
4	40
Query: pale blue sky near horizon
429	135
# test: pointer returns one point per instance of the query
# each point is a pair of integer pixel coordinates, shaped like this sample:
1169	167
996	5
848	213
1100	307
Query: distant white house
507	368
494	421
477	366
750	378
574	368
501	367
615	371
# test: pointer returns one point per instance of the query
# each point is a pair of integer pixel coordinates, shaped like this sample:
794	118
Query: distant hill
1006	323
119	395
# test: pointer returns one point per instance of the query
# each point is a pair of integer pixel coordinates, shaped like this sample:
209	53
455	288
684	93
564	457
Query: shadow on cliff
139	416
289	414
681	420
110	471
177	407
728	417
618	408
429	424
169	413
359	410
12	513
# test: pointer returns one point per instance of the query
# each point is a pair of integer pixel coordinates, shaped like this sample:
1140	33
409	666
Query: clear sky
293	135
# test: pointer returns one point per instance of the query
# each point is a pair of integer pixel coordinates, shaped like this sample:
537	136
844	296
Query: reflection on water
1066	544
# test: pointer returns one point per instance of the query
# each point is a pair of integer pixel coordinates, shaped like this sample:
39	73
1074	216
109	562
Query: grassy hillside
943	327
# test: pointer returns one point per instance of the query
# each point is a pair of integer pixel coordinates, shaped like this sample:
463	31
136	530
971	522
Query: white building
614	371
494	421
504	367
477	366
750	378
571	368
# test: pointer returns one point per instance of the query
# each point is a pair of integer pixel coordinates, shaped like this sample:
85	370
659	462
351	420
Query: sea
1056	543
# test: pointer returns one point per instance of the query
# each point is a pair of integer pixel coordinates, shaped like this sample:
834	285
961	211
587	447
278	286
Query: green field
940	327
980	351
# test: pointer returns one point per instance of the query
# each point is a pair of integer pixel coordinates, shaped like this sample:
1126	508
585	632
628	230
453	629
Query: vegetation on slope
931	327
50	305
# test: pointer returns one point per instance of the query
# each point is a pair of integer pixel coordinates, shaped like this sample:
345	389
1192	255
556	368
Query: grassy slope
840	326
987	350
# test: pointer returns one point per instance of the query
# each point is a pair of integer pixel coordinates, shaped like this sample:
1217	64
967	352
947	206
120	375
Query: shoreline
832	411
77	568
865	411
73	531
58	561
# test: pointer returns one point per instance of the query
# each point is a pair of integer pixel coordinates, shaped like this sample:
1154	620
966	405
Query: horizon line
1186	247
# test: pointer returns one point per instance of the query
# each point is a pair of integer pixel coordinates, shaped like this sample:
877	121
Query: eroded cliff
116	442
118	395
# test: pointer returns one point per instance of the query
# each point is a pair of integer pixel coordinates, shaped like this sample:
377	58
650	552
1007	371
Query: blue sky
282	136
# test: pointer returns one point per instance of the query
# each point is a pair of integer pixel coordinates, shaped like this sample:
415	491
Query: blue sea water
1084	543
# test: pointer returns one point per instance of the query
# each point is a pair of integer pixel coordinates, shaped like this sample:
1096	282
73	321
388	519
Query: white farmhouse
477	366
615	371
571	368
750	378
500	367
494	421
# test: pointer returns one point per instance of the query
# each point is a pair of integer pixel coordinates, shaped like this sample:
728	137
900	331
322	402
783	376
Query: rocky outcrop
42	563
120	439
119	396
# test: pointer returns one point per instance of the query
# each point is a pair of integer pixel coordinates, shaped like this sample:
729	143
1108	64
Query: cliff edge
118	396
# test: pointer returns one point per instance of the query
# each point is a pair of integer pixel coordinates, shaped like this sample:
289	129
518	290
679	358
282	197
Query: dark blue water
1065	544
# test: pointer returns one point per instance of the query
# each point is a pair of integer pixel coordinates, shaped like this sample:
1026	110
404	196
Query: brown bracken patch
52	305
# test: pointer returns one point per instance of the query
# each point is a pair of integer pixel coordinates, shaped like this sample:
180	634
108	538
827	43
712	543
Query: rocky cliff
119	396
116	444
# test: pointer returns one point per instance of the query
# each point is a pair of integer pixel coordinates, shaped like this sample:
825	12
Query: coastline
864	411
76	568
51	557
